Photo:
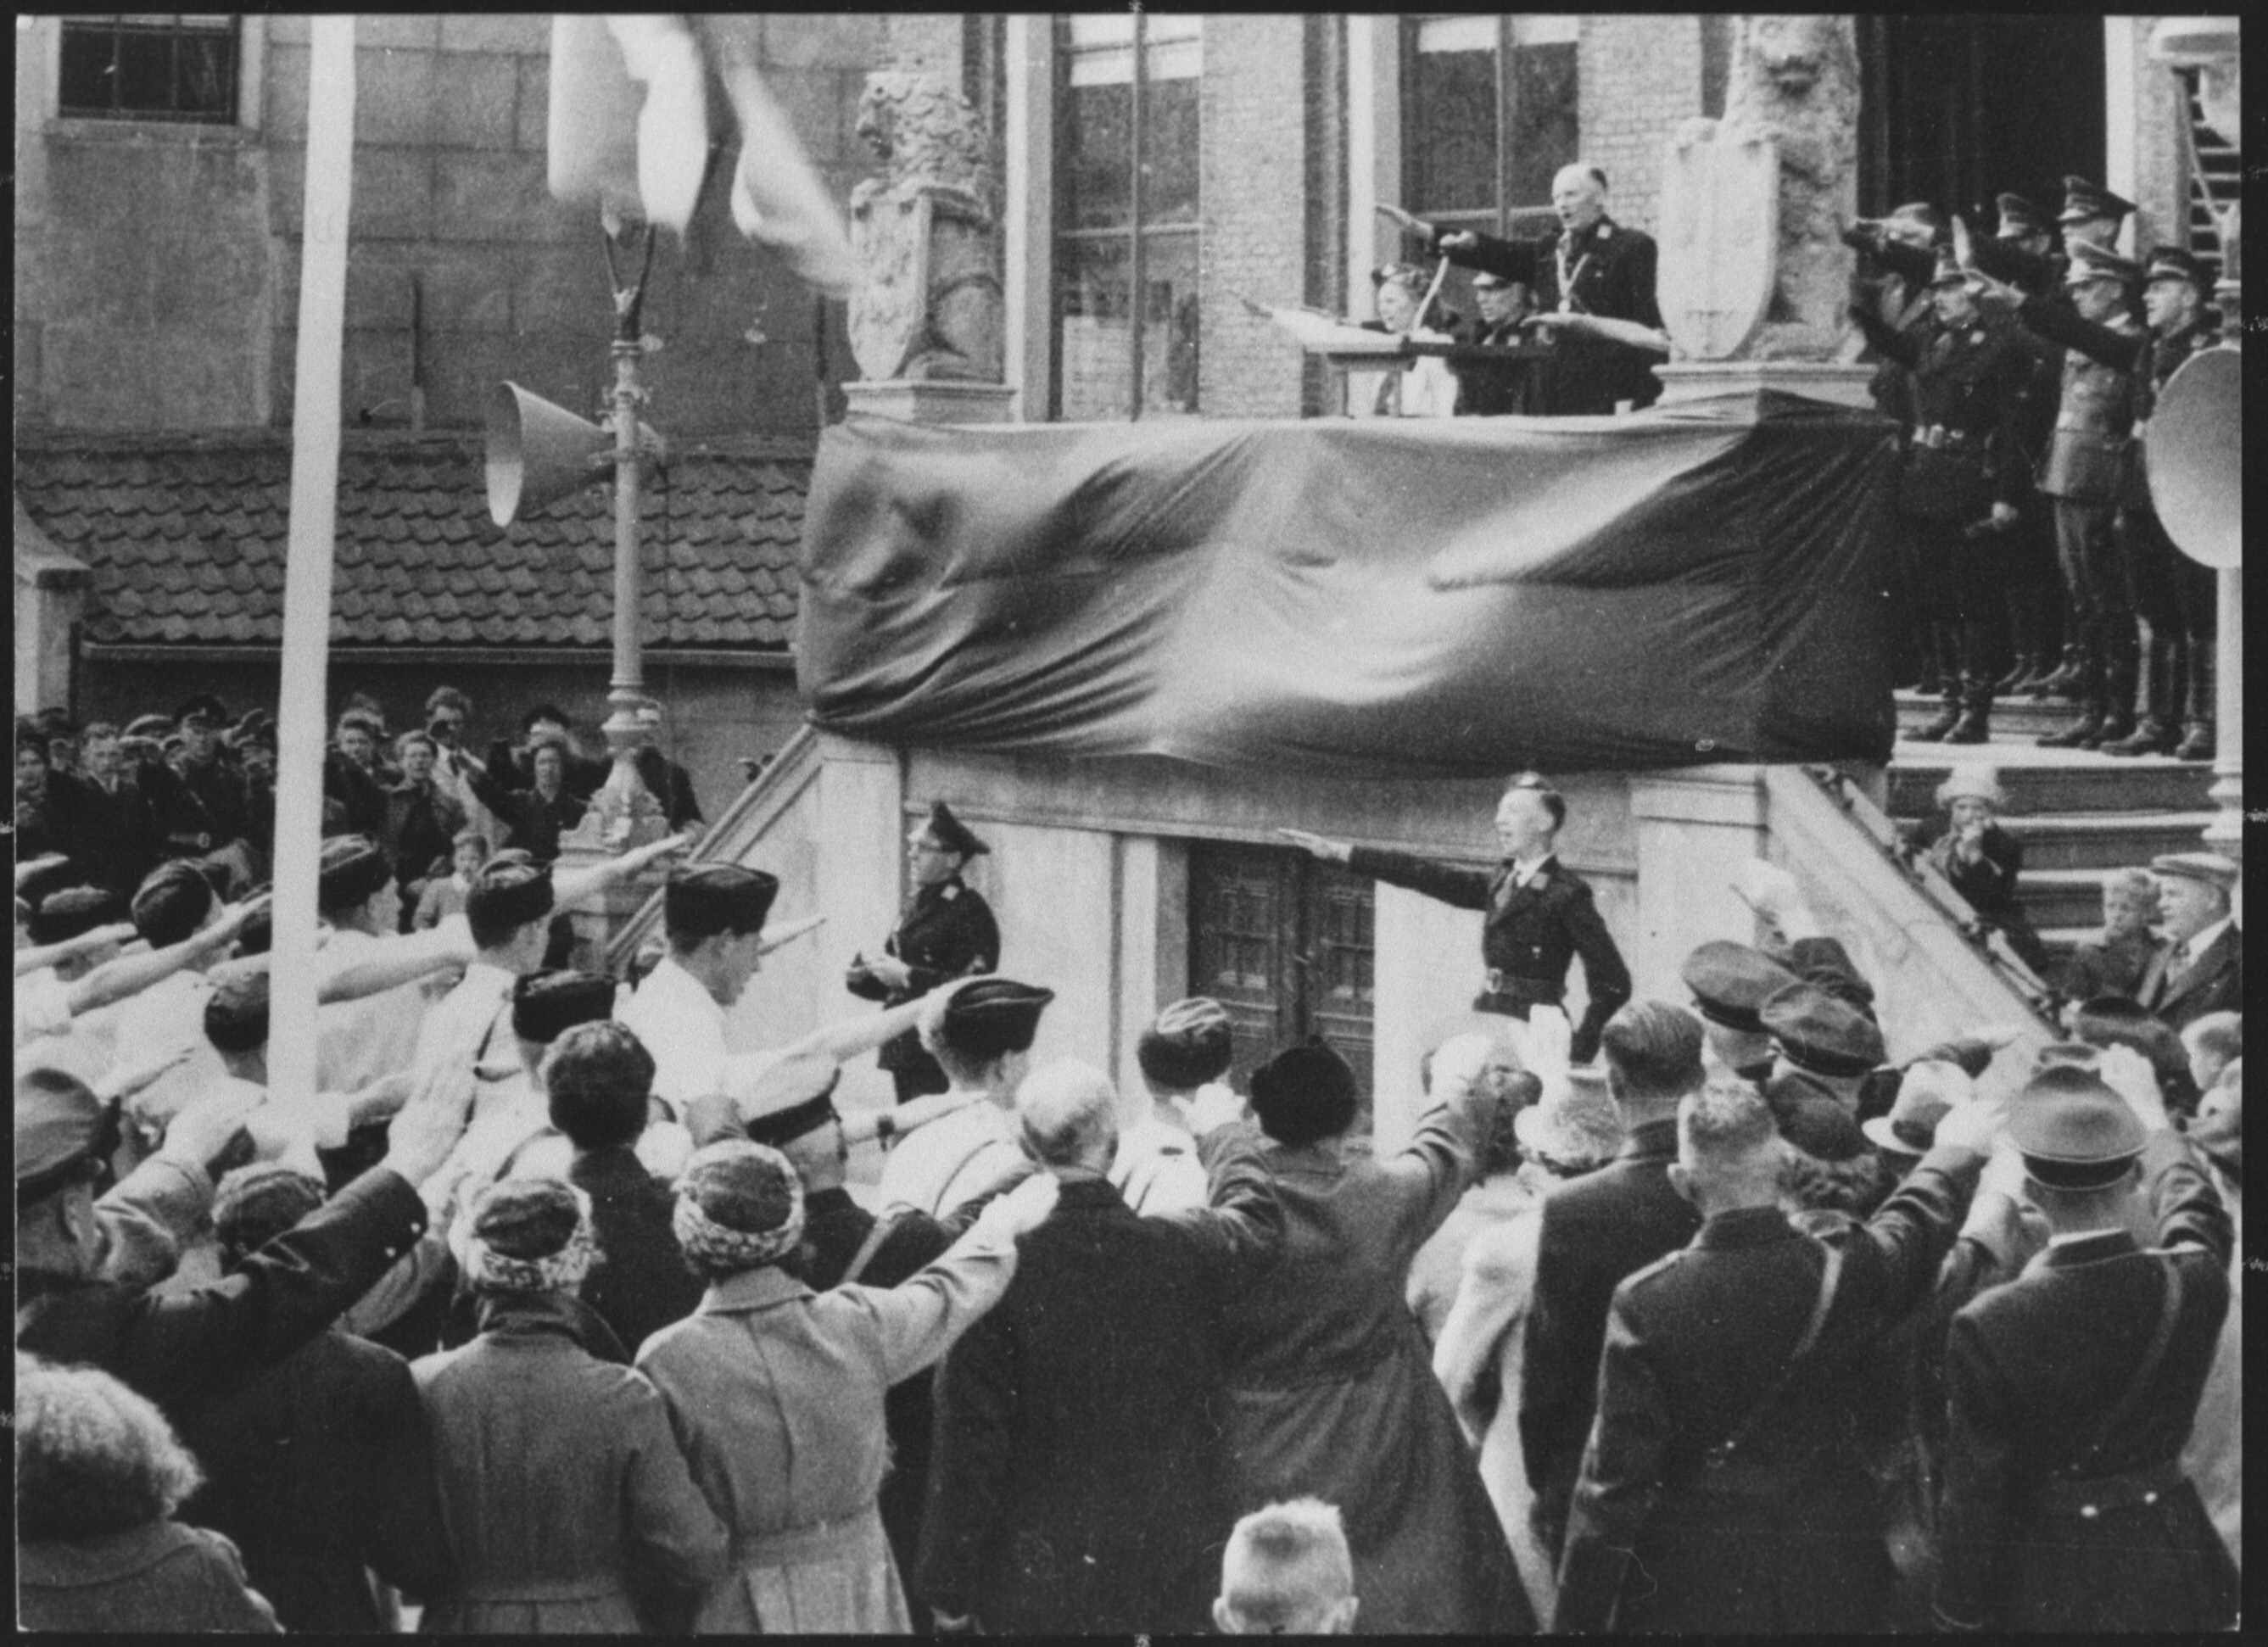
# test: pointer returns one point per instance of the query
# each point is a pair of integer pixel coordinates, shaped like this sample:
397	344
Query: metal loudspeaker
538	453
2195	454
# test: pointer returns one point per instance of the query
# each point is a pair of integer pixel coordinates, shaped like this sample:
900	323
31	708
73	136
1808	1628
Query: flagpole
301	712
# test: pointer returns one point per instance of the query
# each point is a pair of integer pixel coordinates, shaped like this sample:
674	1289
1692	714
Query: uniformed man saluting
1540	914
947	932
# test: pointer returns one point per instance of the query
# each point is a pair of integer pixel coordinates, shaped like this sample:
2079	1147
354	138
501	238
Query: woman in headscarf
99	1474
777	1391
1573	1130
563	1494
1982	860
1330	1393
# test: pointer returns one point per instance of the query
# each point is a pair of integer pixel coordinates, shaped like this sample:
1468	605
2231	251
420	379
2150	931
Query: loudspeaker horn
538	453
2195	455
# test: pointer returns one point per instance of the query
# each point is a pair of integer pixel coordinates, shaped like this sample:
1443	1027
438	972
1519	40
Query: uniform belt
595	1587
2088	1496
1936	434
820	1541
1524	991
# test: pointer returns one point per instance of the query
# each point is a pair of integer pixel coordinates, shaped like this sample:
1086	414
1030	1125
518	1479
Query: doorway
1285	942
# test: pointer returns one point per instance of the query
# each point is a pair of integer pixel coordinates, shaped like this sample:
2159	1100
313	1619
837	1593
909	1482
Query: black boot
2150	736
2021	670
2157	682
1975	726
2197	742
2083	733
2064	681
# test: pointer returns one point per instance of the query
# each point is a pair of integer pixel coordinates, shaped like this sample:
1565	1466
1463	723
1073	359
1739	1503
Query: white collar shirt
954	1158
681	1024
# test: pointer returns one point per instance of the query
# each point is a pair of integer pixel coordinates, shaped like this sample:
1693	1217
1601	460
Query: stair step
2056	899
2014	719
2100	841
2042	781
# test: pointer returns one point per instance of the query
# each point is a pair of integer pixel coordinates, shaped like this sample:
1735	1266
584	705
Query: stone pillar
1694	826
859	875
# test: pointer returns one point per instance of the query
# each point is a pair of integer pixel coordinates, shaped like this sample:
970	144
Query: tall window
1126	216
176	68
1488	117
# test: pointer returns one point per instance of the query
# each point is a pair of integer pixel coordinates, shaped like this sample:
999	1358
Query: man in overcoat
2199	968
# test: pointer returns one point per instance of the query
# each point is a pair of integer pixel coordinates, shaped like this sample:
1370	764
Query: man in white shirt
714	916
982	1036
173	903
361	1040
509	911
1156	1169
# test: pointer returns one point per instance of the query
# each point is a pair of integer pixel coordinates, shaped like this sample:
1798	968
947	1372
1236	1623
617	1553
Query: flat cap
1190	1043
2020	217
993	1015
60	1126
2210	867
793	1096
1730	982
2094	262
1820	1033
701	900
951	834
73	910
545	1005
2073	1130
509	890
2172	263
2083	200
350	868
203	707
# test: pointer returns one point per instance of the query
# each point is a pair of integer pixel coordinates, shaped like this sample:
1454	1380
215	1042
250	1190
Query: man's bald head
1068	1111
1287	1572
1578	195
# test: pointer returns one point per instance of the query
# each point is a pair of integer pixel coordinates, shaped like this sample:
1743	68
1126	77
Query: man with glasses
947	932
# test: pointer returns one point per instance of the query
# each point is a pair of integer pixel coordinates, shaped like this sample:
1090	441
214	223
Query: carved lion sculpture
1795	79
930	306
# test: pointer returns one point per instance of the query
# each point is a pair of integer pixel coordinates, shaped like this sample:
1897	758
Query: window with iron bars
175	67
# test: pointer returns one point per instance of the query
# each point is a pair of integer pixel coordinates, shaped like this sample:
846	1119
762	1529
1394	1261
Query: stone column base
931	402
1686	382
597	919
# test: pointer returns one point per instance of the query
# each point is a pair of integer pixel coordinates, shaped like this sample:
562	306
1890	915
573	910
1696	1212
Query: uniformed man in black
1959	489
1540	914
2072	1389
1723	1489
947	932
1502	385
1593	269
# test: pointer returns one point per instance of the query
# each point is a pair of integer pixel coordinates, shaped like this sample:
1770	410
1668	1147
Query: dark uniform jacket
315	1469
1606	271
2088	455
1782	1535
218	784
2037	1370
1593	1231
2148	359
640	1283
2214	982
949	933
1528	937
1078	1484
188	1350
1499	387
1964	446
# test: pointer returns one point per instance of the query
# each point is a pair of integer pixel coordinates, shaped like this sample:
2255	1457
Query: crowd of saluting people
546	1311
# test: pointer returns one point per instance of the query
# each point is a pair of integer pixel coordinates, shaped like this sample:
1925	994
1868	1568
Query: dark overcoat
2214	982
948	932
640	1283
1608	271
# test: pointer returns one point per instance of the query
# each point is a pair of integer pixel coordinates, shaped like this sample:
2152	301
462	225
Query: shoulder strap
2154	1355
872	1245
1831	1277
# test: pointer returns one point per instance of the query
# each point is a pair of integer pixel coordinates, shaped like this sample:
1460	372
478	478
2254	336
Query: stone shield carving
1719	234
890	233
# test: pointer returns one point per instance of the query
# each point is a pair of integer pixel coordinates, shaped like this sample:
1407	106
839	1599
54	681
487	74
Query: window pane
1457	34
1453	131
206	76
1094	331
1542	120
1096	190
89	71
1101	28
1169	151
149	68
1169	324
145	71
1545	29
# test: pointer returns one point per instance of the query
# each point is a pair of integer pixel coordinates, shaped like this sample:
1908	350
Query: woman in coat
100	1474
564	1493
1574	1130
1331	1390
776	1391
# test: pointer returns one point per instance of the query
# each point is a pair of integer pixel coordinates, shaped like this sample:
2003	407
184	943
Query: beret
702	900
1190	1043
73	910
2073	1130
951	834
528	1218
508	891
1730	981
1305	1093
60	1124
993	1015
351	869
1820	1033
545	1005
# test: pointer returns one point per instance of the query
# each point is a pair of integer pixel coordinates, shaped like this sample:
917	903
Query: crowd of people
548	1312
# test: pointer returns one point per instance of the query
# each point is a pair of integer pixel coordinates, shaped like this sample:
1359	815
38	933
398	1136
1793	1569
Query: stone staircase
2080	814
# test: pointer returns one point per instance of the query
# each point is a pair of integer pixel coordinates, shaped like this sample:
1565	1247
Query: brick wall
2161	164
1252	185
1638	76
